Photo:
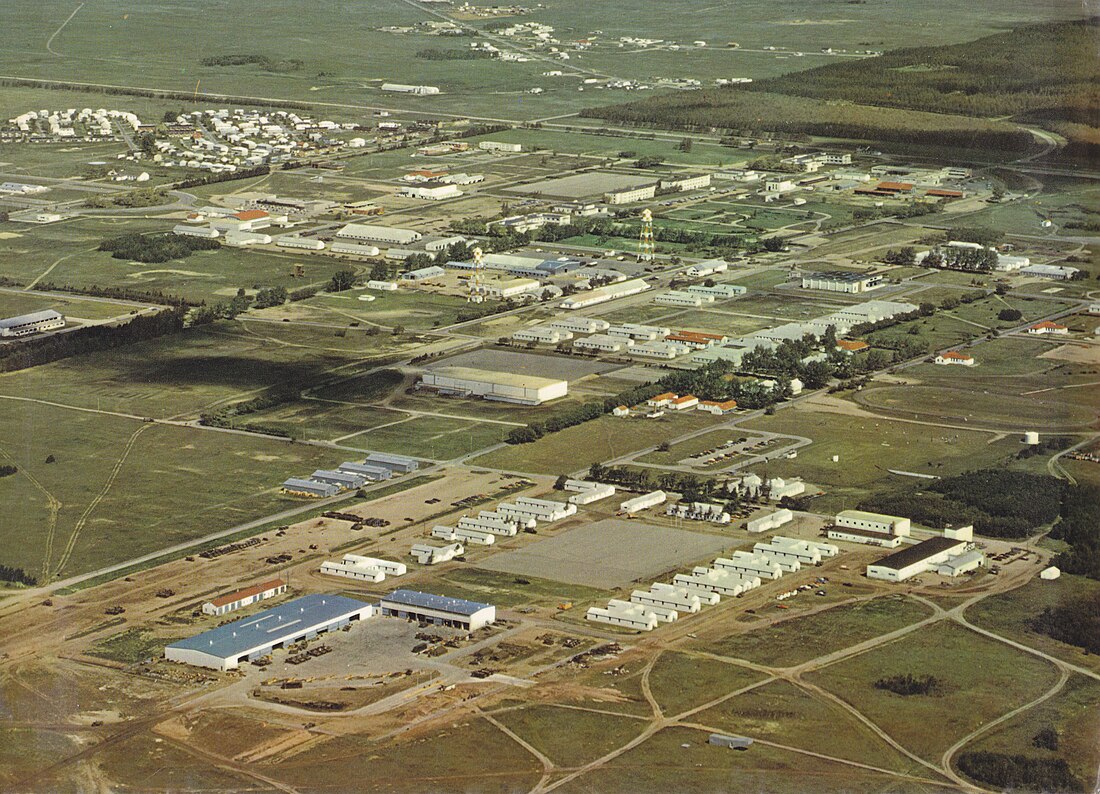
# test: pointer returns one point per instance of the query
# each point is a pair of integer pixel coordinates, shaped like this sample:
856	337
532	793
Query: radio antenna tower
645	239
477	279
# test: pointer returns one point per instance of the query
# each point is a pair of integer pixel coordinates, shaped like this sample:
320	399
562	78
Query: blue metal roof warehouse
225	647
441	610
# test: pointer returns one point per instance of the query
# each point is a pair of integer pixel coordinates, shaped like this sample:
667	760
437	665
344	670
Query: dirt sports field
608	553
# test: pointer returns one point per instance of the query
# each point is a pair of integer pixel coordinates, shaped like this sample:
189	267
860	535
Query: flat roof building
378	234
437	609
604	294
33	323
502	386
841	281
874	522
925	556
865	536
398	463
299	487
225	647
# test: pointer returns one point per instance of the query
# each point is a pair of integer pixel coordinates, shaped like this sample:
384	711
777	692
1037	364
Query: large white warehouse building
504	386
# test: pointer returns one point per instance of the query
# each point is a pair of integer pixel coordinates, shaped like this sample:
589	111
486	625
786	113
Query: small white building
244	597
953	357
874	522
770	521
1050	574
434	555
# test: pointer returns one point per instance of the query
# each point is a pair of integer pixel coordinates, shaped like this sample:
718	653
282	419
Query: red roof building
244	597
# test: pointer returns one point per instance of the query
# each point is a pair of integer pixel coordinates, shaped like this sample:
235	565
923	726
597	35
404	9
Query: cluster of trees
968	260
600	227
211	179
154	248
8	470
750	112
1037	68
434	54
1010	315
262	61
225	417
1080	528
692	487
10	573
907	684
114	90
1019	772
998	502
906	256
145	197
341	280
912	209
43	350
982	235
121	293
267	297
1075	621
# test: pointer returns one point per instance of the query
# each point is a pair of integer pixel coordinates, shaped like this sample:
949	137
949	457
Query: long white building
434	555
753	565
378	234
643	502
33	323
633	617
874	522
579	325
437	609
502	386
604	294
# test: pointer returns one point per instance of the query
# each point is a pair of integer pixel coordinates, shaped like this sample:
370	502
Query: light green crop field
788	642
783	713
161	493
981	680
597	441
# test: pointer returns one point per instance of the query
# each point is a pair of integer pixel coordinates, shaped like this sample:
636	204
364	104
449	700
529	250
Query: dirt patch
1078	354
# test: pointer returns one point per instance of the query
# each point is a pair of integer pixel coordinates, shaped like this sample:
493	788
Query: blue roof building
225	647
438	609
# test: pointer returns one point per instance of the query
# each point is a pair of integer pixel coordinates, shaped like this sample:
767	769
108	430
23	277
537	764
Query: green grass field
15	303
798	640
782	712
569	737
974	692
596	441
680	681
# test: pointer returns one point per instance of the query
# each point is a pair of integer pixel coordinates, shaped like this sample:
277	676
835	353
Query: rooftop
414	598
863	515
33	317
272	625
840	275
255	589
501	378
921	551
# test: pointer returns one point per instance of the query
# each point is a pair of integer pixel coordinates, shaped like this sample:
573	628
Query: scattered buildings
585	492
244	597
438	610
225	647
368	569
434	555
502	386
34	323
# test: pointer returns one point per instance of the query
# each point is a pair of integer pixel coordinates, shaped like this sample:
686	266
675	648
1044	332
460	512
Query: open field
693	446
15	303
971	693
782	712
569	737
1072	713
1009	614
479	584
433	437
788	643
576	556
161	493
867	446
681	681
592	442
413	310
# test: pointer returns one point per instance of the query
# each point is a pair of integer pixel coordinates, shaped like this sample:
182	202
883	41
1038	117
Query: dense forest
1074	621
1080	528
999	503
153	248
1019	772
1044	74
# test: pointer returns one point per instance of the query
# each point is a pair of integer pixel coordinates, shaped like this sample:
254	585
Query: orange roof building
1047	327
244	597
250	215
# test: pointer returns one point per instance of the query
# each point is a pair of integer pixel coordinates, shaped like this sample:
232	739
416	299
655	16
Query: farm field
971	693
597	441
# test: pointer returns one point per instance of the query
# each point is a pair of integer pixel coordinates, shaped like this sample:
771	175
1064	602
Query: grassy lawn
163	492
16	303
680	681
1009	614
1072	713
982	679
596	441
569	737
868	446
131	646
693	446
795	641
783	713
433	437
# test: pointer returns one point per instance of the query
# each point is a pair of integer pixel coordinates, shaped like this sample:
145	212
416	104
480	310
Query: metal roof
414	598
910	555
389	457
272	626
33	317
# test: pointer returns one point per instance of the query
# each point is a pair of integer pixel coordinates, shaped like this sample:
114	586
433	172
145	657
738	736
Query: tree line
183	96
9	573
1019	772
42	350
